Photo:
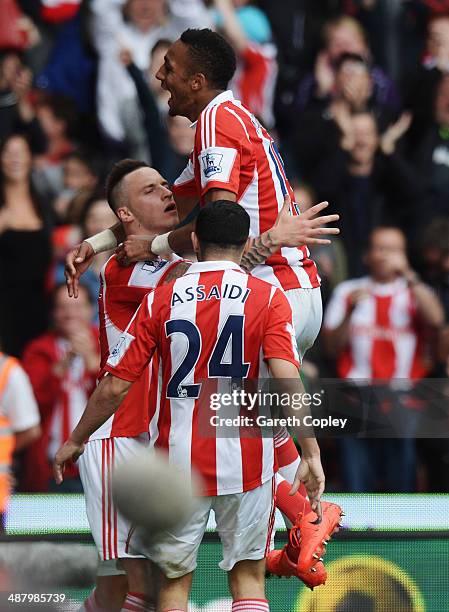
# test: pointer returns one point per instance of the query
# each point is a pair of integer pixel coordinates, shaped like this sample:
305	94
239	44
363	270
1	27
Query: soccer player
215	305
234	158
142	201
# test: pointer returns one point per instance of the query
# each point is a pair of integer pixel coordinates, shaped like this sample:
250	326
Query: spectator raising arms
169	139
366	180
429	156
16	111
136	25
343	35
249	32
318	129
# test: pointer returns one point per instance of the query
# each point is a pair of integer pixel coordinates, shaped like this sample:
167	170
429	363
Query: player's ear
198	82
248	245
195	243
124	214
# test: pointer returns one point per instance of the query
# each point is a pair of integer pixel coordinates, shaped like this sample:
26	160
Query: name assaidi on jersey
216	292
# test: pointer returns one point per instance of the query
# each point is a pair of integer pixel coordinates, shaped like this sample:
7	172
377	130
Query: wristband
103	241
160	245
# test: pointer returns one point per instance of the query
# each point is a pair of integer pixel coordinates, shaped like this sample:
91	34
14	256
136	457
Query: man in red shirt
376	328
141	199
254	319
62	365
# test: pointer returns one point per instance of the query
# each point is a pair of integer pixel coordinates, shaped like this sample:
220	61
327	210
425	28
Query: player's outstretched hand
69	451
135	248
76	263
304	229
310	472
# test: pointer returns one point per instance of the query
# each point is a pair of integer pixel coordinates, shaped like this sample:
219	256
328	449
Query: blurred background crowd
356	93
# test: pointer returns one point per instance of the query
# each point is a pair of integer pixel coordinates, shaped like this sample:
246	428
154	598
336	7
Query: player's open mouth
170	208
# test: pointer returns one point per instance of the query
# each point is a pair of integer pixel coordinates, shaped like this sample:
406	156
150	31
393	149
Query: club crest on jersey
182	392
212	164
153	266
118	349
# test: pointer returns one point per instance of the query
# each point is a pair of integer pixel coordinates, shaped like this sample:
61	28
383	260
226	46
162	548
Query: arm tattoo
176	272
261	250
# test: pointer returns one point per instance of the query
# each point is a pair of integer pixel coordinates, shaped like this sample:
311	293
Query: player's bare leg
174	593
142	588
108	594
247	585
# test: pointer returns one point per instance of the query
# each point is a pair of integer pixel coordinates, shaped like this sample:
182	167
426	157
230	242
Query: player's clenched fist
304	229
135	248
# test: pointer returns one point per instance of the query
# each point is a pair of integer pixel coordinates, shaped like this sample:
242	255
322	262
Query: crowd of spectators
356	93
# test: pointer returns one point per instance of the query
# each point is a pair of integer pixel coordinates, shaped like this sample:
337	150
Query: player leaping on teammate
234	158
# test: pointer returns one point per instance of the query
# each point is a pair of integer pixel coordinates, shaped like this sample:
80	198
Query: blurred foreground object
153	494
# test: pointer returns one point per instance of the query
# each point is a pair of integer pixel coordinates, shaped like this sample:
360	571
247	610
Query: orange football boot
314	535
279	564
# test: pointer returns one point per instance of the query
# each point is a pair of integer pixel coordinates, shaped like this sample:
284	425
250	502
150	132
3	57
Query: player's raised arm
80	258
291	231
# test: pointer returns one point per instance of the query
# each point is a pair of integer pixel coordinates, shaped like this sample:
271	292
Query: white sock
135	602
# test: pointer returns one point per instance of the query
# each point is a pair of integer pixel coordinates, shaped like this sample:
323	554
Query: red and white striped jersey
234	152
255	80
211	325
122	289
386	336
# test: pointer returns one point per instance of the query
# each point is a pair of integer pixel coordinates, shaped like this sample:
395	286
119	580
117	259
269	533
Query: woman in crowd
25	251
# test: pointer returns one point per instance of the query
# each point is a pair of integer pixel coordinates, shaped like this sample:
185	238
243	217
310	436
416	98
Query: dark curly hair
211	55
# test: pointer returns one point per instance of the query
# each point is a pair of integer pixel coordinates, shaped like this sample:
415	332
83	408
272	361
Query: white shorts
245	522
307	310
110	529
110	568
